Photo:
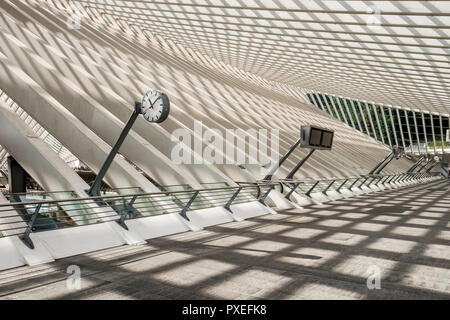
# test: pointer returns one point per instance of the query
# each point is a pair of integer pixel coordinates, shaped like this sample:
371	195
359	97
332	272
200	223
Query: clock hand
155	102
152	104
151	107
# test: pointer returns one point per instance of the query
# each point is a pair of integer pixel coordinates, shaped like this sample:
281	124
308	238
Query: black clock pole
282	160
389	157
299	165
94	191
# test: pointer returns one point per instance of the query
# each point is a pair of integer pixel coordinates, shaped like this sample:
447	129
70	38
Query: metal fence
23	217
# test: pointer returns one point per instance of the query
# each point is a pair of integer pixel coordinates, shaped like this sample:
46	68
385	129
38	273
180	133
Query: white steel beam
432	131
417	132
400	127
375	110
386	125
352	104
442	133
405	112
424	132
371	120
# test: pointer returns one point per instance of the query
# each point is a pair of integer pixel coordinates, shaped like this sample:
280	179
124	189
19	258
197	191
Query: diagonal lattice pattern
391	52
318	253
108	68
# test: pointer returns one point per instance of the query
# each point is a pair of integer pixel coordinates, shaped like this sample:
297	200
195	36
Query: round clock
155	106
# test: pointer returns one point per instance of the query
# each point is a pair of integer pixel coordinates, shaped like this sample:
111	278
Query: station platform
323	251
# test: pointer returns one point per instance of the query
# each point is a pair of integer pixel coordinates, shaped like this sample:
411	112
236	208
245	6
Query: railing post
353	184
328	187
233	197
186	207
376	180
259	190
371	181
379	180
340	187
405	177
363	182
26	236
310	190
392	178
385	180
288	196
263	198
126	210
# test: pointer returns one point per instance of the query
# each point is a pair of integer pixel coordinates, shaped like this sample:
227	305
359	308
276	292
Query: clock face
155	106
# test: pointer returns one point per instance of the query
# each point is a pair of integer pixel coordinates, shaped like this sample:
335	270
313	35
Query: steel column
312	188
26	236
126	210
300	164
183	212
417	132
282	160
379	164
328	187
340	187
233	197
294	187
94	191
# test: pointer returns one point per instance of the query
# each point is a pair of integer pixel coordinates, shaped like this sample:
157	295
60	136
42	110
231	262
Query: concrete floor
322	252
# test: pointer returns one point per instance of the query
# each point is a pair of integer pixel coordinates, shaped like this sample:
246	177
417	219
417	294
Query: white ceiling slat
54	144
390	52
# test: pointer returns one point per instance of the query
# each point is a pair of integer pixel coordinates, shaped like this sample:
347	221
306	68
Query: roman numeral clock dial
155	106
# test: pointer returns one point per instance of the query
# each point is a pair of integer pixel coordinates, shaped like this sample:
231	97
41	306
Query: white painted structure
71	76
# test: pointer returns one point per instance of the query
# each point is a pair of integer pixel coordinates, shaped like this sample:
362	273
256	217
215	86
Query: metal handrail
122	196
167	193
54	214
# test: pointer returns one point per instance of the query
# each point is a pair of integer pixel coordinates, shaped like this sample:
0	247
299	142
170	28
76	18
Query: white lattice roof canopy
391	52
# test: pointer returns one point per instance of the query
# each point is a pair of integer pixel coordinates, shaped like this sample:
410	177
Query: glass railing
201	201
310	186
53	215
130	203
54	210
239	195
